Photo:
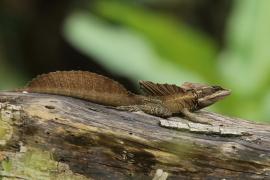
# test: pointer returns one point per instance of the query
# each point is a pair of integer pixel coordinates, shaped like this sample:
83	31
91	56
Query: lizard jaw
212	98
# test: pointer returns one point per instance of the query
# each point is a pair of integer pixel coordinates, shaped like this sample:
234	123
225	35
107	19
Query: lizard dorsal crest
156	89
77	81
189	86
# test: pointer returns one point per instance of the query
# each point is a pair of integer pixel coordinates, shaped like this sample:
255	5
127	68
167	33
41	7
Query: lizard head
210	95
207	95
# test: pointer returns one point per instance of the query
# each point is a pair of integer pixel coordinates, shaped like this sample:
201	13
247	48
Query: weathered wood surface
56	137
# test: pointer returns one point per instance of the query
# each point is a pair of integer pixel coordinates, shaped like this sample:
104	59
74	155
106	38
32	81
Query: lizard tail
84	85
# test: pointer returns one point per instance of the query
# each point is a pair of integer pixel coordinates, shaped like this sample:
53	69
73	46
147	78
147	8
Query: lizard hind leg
149	108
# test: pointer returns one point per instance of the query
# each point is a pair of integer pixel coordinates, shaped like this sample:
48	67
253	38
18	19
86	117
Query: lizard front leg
195	118
155	109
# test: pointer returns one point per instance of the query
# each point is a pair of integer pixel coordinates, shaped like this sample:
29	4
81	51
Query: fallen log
56	137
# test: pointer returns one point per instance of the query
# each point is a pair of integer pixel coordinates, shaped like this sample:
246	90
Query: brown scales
160	99
84	85
156	89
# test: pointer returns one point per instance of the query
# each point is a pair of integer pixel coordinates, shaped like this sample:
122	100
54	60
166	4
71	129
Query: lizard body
161	100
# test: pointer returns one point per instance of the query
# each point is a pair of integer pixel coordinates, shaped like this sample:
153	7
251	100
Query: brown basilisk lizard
163	100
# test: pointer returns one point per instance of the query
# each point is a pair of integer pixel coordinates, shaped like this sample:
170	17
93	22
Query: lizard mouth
212	98
220	94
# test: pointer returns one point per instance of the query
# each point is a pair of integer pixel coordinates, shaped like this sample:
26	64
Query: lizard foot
195	118
201	121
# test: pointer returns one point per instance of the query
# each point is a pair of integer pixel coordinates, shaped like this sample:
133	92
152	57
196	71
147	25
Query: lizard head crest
207	95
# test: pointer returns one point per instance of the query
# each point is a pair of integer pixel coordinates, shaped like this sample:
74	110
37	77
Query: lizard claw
195	118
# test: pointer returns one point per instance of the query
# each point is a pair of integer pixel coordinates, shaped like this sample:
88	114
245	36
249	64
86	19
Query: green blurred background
224	42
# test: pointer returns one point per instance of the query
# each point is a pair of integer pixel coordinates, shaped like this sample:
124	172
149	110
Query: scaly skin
162	100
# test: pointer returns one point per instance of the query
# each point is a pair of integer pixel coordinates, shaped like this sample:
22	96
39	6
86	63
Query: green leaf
173	40
245	63
121	50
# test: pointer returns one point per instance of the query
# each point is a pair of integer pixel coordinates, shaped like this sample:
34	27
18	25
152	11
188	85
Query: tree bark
55	137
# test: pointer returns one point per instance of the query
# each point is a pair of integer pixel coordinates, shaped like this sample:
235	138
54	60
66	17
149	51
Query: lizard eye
217	88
